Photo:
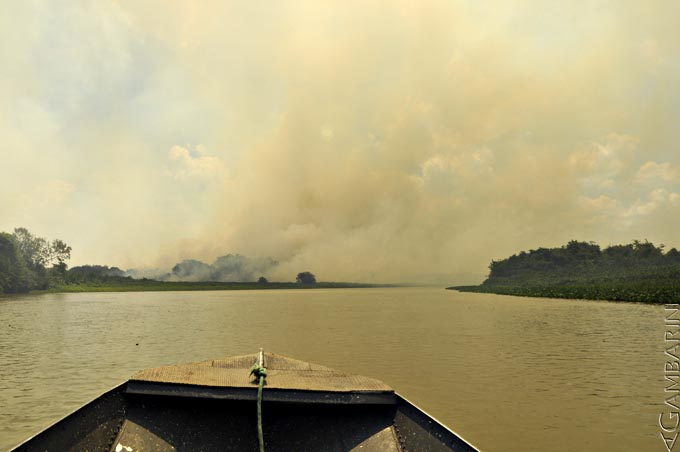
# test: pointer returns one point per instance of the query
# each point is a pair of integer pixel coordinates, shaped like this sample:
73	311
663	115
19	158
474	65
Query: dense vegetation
28	262
639	271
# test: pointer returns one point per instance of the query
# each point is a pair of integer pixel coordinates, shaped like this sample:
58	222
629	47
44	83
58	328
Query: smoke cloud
367	141
229	268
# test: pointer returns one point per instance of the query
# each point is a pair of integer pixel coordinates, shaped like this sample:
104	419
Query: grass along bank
148	285
641	293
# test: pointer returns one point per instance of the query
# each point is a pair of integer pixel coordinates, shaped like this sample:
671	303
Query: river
508	373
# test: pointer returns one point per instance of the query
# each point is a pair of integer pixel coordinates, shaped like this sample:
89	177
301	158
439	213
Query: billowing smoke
146	273
229	268
234	267
191	270
364	141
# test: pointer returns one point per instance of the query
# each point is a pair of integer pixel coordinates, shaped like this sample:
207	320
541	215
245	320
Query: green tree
37	251
57	253
29	255
14	275
32	248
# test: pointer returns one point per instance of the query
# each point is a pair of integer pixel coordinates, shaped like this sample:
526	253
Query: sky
375	141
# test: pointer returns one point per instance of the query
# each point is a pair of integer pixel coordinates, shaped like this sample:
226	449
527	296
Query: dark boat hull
163	417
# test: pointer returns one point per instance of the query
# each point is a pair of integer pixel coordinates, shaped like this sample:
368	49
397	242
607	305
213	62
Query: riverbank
640	293
637	272
148	285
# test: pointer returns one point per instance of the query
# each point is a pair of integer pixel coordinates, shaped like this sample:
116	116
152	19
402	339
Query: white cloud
658	199
653	173
469	164
607	158
599	210
186	163
600	203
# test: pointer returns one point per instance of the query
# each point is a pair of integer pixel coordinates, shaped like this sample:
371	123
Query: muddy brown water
507	373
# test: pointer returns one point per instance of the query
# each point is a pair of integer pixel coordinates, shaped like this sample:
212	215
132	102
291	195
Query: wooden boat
211	406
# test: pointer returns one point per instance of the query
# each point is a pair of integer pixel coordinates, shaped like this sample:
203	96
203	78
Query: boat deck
287	380
210	406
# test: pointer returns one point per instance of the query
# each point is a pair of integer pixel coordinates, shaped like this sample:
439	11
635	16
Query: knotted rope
260	373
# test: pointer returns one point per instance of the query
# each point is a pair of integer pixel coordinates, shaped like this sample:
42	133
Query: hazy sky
360	140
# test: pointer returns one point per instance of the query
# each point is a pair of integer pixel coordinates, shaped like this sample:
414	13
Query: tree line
29	262
638	271
586	261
